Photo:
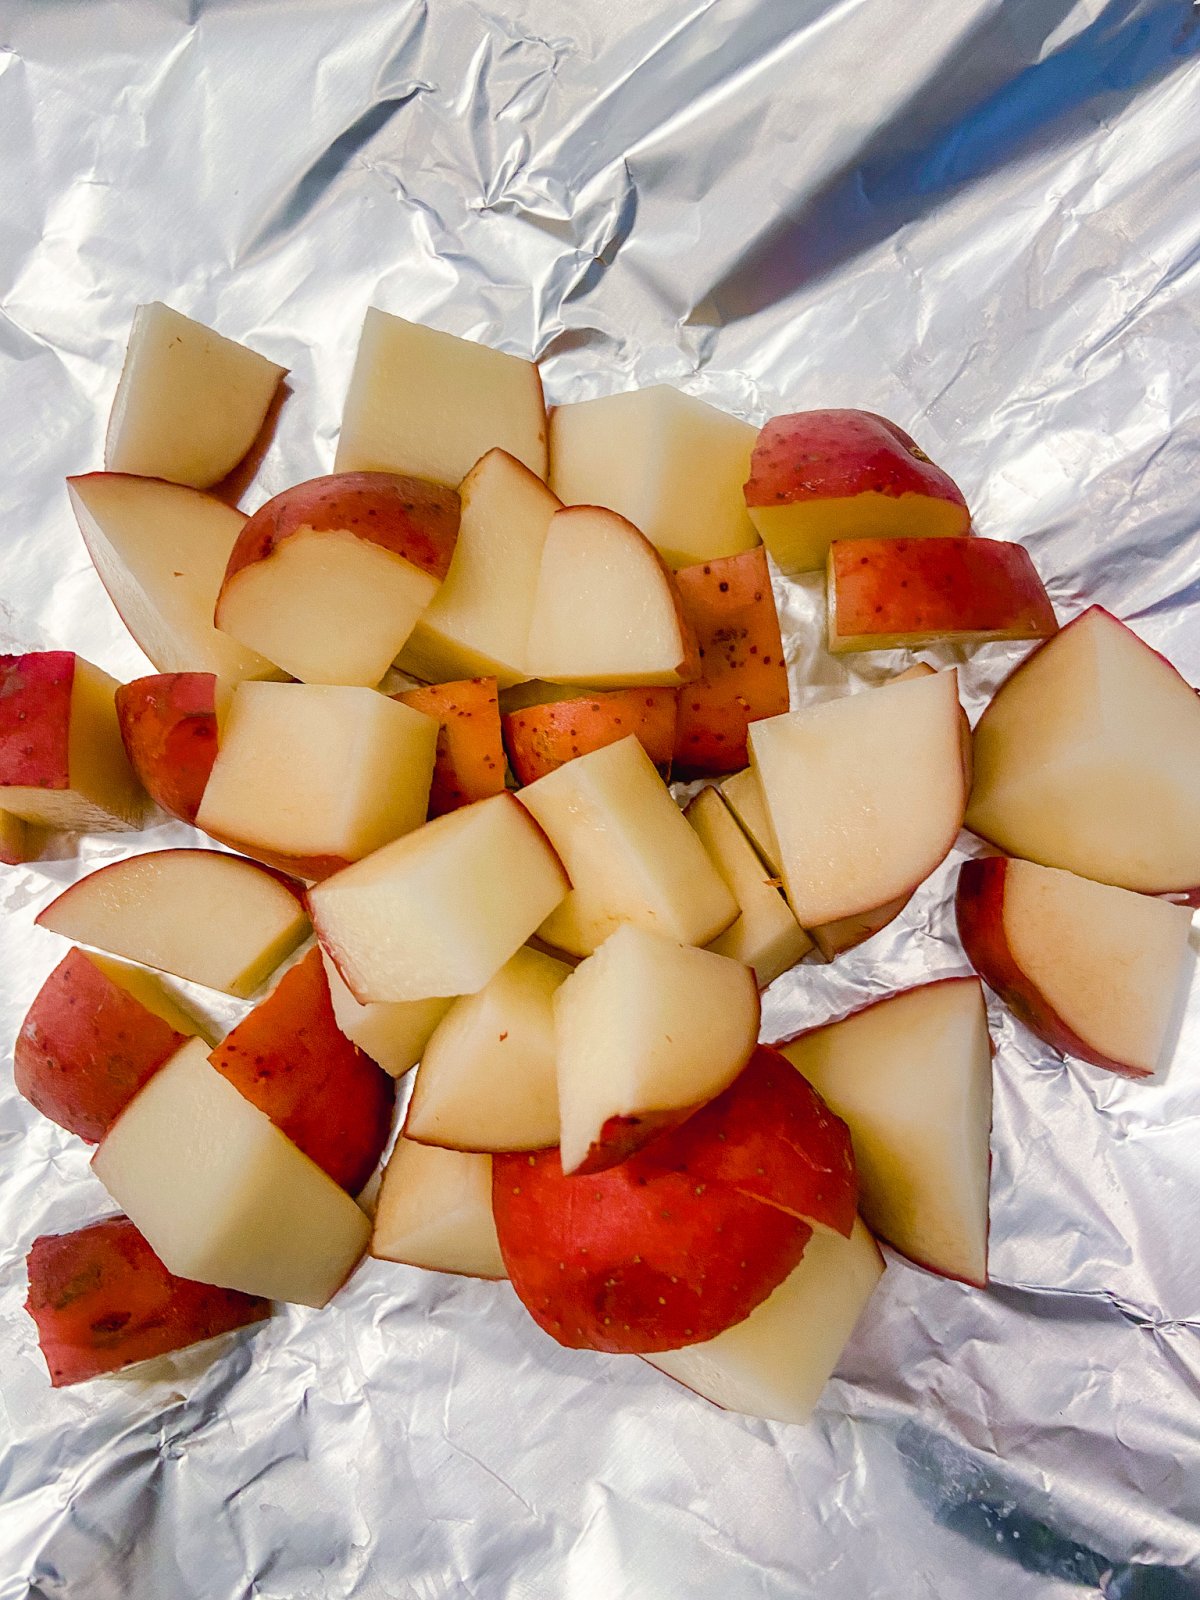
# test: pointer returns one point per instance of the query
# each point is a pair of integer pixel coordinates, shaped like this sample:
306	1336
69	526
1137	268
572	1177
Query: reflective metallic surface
976	216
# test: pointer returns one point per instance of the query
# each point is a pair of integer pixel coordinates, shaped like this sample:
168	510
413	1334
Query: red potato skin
743	675
937	587
979	908
289	1058
86	1047
633	1260
469	764
169	729
542	738
410	517
101	1299
771	1137
35	719
1183	897
819	455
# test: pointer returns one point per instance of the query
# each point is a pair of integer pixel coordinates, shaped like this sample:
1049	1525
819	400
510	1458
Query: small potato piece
543	737
469	764
169	727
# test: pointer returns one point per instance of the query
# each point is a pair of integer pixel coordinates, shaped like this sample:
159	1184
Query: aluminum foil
977	216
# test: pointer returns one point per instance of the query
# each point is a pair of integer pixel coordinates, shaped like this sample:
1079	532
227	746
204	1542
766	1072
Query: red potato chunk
541	738
87	1044
469	764
101	1300
635	1259
169	729
290	1059
743	675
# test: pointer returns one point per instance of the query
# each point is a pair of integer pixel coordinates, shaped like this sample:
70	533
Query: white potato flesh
393	1035
776	1363
743	793
628	852
221	1195
912	1078
190	402
866	793
435	1211
200	915
440	911
646	1029
487	1077
674	465
313	770
430	404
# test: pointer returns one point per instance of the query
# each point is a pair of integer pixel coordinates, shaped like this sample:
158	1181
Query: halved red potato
469	764
62	764
327	579
885	594
200	915
290	1059
101	1300
542	737
95	1033
743	675
816	476
169	726
435	1211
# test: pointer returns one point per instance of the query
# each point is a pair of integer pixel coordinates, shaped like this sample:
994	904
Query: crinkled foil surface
977	216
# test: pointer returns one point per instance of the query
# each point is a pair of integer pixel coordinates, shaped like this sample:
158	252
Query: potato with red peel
328	579
95	1033
743	675
290	1059
816	476
469	764
169	727
101	1300
887	594
542	737
633	1260
62	764
1094	971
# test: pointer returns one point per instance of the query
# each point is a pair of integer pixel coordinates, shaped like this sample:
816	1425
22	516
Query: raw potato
200	915
744	796
1096	972
645	1031
435	1211
95	1033
817	476
477	624
672	464
607	612
771	1137
542	736
628	851
884	594
221	1195
190	402
866	794
328	579
1088	758
394	1035
912	1075
290	1059
766	936
743	676
62	764
487	1078
439	912
632	1260
469	764
310	777
170	726
431	404
18	841
160	551
102	1300
776	1363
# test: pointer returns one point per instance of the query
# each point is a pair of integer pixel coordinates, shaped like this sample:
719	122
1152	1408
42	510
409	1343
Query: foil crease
976	216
